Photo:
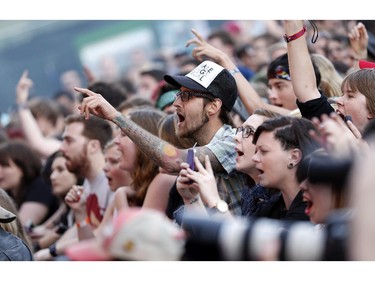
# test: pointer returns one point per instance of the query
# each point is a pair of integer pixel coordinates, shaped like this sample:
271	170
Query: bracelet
23	105
234	71
192	201
295	36
52	250
83	223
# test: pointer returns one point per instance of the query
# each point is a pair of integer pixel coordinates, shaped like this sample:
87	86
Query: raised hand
338	138
358	38
187	190
205	179
75	198
203	49
23	88
95	104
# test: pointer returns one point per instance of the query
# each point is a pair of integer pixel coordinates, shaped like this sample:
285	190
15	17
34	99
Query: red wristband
295	36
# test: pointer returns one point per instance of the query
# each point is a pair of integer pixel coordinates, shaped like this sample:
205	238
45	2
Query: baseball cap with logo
208	77
6	216
135	234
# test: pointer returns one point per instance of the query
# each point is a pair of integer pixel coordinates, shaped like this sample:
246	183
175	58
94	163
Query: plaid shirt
231	183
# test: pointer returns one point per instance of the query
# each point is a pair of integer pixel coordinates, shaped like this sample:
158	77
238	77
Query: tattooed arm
163	153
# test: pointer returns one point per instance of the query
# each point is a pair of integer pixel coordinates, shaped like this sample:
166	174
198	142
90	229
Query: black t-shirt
174	202
275	209
39	191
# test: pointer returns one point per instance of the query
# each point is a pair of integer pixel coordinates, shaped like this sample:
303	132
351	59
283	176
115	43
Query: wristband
23	105
83	223
295	36
234	71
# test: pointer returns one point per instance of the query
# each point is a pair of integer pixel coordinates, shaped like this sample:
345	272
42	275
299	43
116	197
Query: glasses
246	131
185	96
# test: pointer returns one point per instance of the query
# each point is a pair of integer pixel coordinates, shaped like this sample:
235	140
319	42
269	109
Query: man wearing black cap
12	248
203	104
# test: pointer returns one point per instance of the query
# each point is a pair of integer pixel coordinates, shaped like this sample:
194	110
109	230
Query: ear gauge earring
290	165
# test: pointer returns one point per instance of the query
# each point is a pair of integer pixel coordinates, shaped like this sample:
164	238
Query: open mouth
342	116
259	175
277	104
260	172
239	152
309	205
181	118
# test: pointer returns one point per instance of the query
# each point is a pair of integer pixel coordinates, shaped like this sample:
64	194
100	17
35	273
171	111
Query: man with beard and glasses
83	145
203	104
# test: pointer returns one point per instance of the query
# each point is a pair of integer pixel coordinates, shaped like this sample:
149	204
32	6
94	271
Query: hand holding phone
190	159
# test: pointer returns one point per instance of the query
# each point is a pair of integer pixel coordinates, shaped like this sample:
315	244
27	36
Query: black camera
246	239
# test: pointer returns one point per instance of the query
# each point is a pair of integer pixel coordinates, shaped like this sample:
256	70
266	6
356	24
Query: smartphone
190	158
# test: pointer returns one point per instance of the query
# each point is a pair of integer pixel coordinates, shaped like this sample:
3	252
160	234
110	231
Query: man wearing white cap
206	97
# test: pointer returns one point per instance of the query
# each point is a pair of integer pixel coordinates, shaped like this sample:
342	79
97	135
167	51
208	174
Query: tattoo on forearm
164	154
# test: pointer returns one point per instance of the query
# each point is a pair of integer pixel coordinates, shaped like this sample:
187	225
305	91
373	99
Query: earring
290	165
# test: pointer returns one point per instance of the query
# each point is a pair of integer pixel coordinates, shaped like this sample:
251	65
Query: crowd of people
250	133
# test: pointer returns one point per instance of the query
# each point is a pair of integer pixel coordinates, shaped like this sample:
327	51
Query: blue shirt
12	248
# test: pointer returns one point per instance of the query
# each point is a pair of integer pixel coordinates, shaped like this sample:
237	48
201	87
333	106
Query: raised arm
247	94
45	146
163	153
358	38
300	64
